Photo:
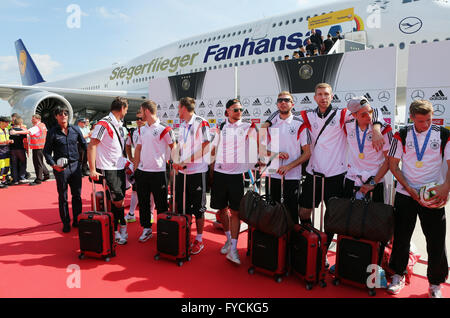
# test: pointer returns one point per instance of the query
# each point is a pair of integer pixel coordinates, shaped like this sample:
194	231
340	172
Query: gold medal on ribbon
419	164
361	155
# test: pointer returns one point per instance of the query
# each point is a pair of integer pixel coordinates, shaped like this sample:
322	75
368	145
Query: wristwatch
372	182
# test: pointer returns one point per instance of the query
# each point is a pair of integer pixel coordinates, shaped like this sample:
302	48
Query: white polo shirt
155	141
191	136
373	160
133	139
434	167
288	135
236	147
109	150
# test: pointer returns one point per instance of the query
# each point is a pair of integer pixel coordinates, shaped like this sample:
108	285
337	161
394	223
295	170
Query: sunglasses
63	113
286	100
138	118
368	113
238	110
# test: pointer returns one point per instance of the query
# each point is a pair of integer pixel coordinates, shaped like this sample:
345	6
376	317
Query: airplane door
260	32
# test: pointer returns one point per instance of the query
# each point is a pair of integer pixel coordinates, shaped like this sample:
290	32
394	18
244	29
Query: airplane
376	23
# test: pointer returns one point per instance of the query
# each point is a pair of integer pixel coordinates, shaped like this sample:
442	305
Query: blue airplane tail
28	70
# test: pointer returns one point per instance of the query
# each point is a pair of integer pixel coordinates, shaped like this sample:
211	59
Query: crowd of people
315	45
352	148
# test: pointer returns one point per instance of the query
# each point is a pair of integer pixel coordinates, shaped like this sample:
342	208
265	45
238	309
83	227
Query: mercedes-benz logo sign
306	71
384	96
268	101
410	25
418	94
256	111
439	110
349	96
246	102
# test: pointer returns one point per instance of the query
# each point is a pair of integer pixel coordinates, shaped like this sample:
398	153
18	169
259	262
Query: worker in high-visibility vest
4	151
38	134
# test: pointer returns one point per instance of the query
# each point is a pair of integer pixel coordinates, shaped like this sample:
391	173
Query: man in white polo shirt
150	159
366	166
193	139
106	156
289	137
233	150
420	148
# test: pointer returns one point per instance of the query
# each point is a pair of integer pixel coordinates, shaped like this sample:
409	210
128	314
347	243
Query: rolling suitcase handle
104	193
322	176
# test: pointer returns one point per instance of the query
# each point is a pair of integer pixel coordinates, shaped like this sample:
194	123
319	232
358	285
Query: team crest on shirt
333	122
410	145
240	132
316	126
434	145
369	137
352	134
155	132
292	130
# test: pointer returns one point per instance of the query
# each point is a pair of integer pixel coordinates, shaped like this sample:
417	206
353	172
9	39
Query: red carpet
36	259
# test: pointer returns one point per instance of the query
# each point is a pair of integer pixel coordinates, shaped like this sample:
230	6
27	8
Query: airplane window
294	20
381	46
209	68
247	63
307	18
286	23
225	66
236	64
250	30
436	40
447	39
274	25
316	15
215	67
234	33
413	42
242	63
391	44
259	61
266	60
401	46
245	31
239	33
280	58
300	20
424	41
231	64
229	34
253	62
220	66
214	38
200	41
280	24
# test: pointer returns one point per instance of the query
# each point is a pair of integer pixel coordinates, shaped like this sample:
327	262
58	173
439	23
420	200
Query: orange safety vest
38	141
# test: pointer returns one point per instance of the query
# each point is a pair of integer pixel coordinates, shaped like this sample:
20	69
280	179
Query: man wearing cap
366	166
61	153
84	128
233	146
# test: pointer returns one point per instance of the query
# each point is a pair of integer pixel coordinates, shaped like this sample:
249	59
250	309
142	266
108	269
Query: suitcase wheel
278	278
309	286
107	259
180	263
323	284
372	292
156	257
188	258
251	270
81	256
336	282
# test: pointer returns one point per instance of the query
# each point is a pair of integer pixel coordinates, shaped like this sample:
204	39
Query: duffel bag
360	218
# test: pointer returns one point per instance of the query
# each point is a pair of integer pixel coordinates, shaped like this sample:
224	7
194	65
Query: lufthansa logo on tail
23	62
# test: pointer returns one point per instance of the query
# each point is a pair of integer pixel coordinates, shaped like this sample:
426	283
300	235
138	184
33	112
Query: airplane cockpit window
401	46
408	1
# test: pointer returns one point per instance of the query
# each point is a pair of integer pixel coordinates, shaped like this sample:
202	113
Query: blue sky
114	31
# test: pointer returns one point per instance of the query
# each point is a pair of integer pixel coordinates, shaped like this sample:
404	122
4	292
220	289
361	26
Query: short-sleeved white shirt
109	150
191	137
434	166
155	141
288	136
235	152
373	160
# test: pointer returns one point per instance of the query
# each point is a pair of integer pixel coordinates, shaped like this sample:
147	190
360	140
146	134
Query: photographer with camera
62	141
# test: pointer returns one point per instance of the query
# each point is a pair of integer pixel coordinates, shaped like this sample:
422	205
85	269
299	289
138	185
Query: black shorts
115	181
195	194
227	191
334	187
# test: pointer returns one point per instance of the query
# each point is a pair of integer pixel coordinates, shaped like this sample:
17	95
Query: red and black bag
173	239
96	231
308	249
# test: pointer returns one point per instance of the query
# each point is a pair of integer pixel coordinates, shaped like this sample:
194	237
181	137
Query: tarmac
418	239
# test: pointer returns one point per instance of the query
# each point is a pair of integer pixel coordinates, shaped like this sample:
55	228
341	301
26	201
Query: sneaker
130	218
226	248
196	247
146	235
233	256
434	291
397	284
332	269
119	239
123	231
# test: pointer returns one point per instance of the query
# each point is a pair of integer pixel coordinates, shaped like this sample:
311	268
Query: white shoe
146	235
123	234
130	218
397	284
119	239
434	291
233	256
226	248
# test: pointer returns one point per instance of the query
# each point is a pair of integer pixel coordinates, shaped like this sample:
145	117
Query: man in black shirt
316	38
62	141
18	154
328	43
310	46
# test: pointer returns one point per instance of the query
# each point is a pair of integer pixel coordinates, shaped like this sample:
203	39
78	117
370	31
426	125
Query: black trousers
155	183
290	195
39	167
433	225
71	176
